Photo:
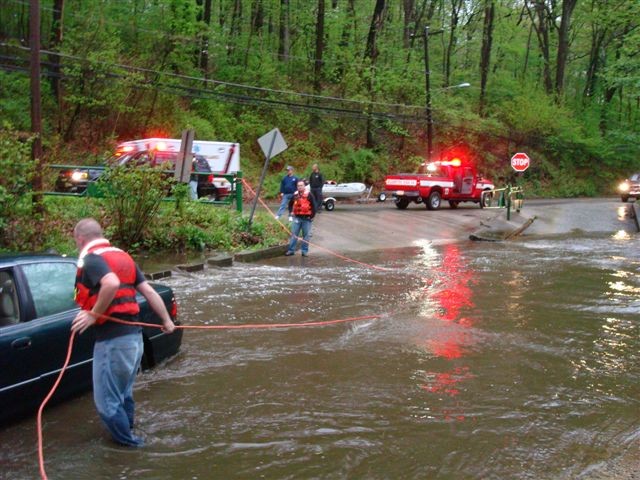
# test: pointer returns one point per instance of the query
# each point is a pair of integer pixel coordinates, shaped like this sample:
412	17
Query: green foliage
14	104
132	199
361	165
15	182
205	227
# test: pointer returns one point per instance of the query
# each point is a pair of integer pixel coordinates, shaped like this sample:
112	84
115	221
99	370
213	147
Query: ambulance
209	157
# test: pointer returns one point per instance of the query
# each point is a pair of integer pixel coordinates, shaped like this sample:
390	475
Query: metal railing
508	197
86	185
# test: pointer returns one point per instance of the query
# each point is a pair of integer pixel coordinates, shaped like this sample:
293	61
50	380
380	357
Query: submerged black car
36	309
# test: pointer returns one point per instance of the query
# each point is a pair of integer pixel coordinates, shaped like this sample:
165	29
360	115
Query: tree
285	39
317	70
563	45
485	53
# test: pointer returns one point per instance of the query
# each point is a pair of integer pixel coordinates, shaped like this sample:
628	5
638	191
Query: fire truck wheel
402	203
485	199
434	200
453	204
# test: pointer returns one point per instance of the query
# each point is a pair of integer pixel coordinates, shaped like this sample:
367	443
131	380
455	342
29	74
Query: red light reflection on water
452	297
446	382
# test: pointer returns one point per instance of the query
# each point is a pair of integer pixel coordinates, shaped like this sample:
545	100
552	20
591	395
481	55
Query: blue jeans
300	225
284	204
115	364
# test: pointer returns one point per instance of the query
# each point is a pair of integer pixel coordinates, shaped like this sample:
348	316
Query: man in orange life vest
303	209
106	285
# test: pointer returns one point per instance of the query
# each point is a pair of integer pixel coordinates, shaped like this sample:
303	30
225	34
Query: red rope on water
261	326
43	473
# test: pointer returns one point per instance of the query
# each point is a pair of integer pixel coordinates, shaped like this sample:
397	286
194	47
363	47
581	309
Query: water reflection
447	298
514	361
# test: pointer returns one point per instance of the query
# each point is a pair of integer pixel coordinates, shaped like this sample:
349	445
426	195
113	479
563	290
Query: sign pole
262	175
272	144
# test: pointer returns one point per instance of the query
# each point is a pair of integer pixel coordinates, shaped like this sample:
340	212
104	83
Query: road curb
498	228
253	255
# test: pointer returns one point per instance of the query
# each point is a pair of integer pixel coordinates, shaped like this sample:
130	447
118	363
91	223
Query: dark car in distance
630	188
36	309
76	180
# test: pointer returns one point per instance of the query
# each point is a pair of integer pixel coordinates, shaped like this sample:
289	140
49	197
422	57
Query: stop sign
520	162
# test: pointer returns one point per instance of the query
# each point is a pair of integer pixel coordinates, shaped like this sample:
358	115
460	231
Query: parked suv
630	187
76	180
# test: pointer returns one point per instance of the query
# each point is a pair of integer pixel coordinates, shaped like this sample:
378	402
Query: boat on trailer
331	191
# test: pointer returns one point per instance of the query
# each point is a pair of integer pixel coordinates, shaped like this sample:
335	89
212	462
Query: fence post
239	191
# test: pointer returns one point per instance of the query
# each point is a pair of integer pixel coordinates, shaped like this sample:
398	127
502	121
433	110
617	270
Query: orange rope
260	326
43	474
348	259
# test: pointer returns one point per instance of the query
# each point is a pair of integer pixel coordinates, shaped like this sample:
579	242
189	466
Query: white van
223	157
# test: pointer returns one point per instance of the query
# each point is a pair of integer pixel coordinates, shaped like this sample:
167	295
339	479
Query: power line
194	92
220	82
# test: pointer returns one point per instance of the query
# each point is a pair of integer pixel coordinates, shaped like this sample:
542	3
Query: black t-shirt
316	180
93	270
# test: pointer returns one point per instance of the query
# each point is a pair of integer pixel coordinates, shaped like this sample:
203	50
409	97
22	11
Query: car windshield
635	177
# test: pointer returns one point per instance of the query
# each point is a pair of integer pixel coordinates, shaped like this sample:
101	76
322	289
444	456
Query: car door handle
20	343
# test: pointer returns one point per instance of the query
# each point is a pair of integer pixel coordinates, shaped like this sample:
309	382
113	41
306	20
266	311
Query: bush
132	200
15	188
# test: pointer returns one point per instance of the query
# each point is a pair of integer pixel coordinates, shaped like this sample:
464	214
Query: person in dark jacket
316	182
287	189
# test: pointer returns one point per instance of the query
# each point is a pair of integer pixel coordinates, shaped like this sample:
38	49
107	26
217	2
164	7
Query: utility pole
36	114
427	75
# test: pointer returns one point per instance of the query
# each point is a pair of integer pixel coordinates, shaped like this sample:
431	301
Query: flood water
515	360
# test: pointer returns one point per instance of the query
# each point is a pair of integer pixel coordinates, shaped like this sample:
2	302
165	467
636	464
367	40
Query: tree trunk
345	38
485	53
204	38
540	19
371	49
563	45
456	5
236	26
594	62
285	40
371	52
409	8
257	22
317	70
36	110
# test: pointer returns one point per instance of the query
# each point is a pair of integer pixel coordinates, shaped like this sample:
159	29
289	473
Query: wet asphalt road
372	226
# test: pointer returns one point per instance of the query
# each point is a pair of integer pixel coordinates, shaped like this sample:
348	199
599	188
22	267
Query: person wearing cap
287	189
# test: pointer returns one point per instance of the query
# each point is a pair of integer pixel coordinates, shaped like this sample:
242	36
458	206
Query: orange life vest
124	267
302	205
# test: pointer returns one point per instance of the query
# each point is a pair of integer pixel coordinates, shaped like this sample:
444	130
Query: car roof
11	259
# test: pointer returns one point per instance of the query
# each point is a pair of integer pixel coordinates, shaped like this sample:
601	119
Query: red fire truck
450	180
